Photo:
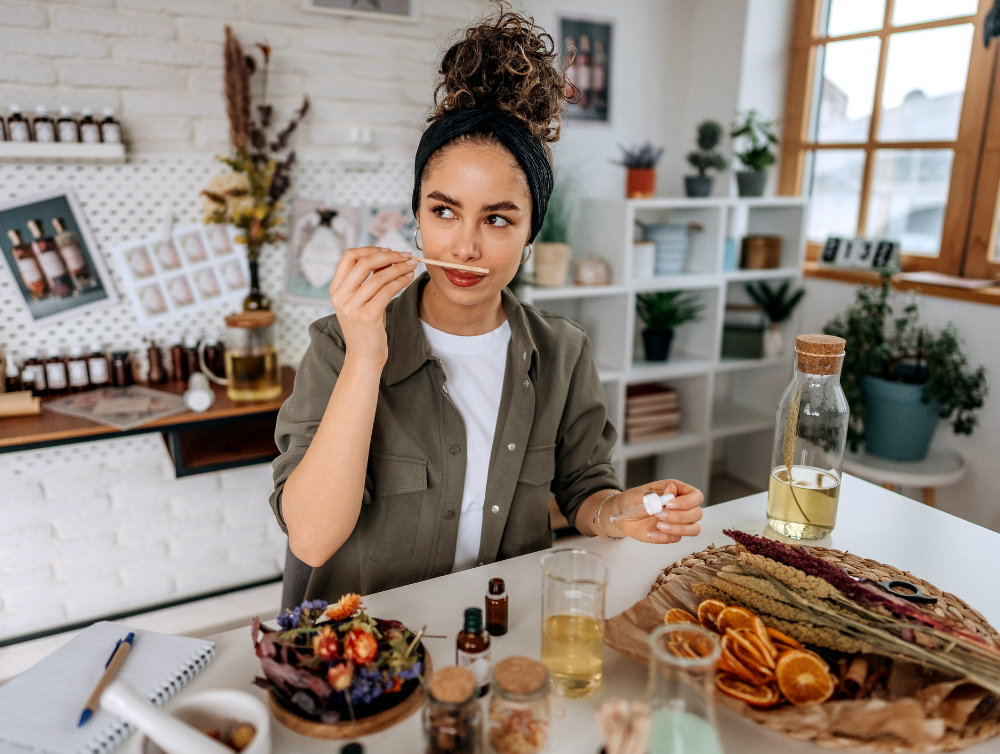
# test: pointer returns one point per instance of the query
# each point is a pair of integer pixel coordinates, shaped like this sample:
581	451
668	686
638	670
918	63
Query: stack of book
651	413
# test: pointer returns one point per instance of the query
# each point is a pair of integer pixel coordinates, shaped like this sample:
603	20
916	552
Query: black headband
512	134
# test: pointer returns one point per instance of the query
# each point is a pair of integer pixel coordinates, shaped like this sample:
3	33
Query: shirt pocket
528	521
399	485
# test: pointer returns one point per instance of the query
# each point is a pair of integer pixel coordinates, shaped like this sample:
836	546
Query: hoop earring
530	247
415	244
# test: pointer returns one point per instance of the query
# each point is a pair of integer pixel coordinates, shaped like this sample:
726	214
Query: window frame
972	208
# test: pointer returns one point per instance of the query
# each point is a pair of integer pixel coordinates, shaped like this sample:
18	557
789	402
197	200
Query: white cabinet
727	405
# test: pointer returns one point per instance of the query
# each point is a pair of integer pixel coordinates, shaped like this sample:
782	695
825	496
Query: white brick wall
159	64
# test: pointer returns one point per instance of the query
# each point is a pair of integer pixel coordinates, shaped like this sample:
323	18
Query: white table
942	467
957	556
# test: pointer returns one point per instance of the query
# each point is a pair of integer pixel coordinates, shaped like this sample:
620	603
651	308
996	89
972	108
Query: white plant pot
774	341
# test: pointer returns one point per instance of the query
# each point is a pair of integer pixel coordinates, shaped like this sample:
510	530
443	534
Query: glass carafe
809	442
681	690
251	358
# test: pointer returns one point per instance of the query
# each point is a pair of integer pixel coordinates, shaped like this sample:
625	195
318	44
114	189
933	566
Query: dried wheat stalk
237	85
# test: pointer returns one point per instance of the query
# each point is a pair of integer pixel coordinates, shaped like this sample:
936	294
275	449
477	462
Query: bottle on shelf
56	274
157	374
76	369
121	369
67	129
191	355
98	367
12	376
56	377
111	130
472	649
18	128
178	362
215	355
36	369
3	130
28	268
90	129
43	125
69	247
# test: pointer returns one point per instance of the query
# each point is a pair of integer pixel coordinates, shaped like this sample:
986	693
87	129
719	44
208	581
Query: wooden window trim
971	214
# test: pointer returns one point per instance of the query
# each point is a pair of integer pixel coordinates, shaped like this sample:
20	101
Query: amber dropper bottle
472	649
496	608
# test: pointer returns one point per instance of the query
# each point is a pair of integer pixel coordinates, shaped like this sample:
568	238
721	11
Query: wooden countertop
51	427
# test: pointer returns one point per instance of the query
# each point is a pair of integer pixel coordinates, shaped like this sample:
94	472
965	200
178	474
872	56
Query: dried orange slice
754	695
743	663
728	663
676	615
735	617
804	678
708	613
760	632
782	640
747	644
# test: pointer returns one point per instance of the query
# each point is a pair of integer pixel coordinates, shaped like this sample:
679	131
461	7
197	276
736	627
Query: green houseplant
757	137
705	158
640	165
899	377
778	304
552	250
662	312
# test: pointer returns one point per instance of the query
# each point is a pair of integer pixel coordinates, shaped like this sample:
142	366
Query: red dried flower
325	645
341	675
360	646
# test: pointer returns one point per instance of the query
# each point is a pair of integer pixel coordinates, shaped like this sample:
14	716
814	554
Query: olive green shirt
552	434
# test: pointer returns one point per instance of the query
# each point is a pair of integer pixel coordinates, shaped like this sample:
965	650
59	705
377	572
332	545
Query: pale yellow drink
806	508
253	378
573	651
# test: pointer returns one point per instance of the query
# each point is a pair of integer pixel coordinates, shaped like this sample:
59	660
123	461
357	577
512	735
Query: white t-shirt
474	367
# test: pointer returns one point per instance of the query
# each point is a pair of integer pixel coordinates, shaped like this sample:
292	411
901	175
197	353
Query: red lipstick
463	279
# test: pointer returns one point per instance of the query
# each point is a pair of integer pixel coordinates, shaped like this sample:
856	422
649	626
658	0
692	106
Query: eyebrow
504	206
444	198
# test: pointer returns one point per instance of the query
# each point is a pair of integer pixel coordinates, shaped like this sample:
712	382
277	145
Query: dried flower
793	577
345	607
325	644
341	675
360	646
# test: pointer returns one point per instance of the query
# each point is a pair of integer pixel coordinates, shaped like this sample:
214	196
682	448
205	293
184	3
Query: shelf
33	151
778	274
739	365
573	291
651	371
684	281
729	418
654	447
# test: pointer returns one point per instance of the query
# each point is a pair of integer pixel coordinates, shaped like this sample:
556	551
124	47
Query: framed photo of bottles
50	252
590	71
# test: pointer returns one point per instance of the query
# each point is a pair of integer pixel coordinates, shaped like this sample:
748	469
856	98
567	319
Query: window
889	128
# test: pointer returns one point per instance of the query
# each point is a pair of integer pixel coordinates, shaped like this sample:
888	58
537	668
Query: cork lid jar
520	678
819	354
453	685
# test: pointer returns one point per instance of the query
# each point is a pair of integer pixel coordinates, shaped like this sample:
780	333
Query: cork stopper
251	320
453	685
520	675
819	354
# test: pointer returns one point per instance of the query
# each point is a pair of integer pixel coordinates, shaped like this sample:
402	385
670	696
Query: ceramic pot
698	185
898	425
751	182
657	344
551	264
760	253
774	341
640	183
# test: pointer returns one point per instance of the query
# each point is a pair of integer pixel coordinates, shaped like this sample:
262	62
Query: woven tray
948	606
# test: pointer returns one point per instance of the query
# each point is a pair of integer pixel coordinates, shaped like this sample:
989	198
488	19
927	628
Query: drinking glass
681	689
573	589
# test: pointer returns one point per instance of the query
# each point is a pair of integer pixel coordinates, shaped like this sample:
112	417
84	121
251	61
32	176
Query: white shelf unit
727	405
37	151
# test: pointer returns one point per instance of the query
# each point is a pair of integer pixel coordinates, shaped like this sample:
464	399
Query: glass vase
256	300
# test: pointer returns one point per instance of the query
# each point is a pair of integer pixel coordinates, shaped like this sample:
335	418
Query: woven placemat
948	607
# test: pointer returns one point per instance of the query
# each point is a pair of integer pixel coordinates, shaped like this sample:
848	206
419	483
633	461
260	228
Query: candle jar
452	720
519	707
251	358
809	442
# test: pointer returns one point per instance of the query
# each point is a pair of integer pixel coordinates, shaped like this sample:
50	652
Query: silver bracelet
597	518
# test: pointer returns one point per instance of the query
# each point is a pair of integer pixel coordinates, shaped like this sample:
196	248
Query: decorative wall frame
407	11
591	72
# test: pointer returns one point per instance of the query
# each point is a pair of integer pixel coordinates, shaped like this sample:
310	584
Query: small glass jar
251	357
452	719
809	442
519	707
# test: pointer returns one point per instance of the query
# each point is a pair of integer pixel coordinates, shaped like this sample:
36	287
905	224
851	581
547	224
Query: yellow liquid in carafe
806	508
573	651
253	378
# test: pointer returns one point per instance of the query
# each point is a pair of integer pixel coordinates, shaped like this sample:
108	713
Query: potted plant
778	305
758	138
640	164
662	313
552	250
899	377
705	158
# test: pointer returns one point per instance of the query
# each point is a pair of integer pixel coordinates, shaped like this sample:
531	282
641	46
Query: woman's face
475	209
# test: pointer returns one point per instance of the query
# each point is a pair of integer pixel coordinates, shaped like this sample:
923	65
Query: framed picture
382	10
591	68
317	239
52	255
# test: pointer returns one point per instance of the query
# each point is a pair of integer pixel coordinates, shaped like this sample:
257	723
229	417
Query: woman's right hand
365	282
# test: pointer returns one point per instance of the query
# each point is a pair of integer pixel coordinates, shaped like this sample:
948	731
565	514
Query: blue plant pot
899	425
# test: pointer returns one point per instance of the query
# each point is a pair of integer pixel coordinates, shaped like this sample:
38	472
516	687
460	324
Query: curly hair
506	62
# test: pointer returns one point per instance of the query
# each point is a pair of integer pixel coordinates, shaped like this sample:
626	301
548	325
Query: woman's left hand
679	518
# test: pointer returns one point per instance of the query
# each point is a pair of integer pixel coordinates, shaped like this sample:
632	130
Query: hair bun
507	63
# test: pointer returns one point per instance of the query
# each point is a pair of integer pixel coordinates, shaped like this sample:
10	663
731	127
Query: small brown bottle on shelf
43	125
12	377
18	128
90	129
76	369
121	369
33	371
51	261
191	365
111	130
157	375
472	649
178	363
56	376
496	608
67	129
97	367
28	268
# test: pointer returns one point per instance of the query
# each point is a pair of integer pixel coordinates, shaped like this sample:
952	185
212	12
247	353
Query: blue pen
111	667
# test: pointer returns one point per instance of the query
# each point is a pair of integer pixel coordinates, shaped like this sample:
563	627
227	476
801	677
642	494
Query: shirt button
511	446
495	509
526	383
449	515
480	562
455	450
524	355
444	389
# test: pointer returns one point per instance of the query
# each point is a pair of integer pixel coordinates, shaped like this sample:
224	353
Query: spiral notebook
40	708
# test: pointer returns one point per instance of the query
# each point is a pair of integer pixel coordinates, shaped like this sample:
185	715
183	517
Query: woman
425	432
